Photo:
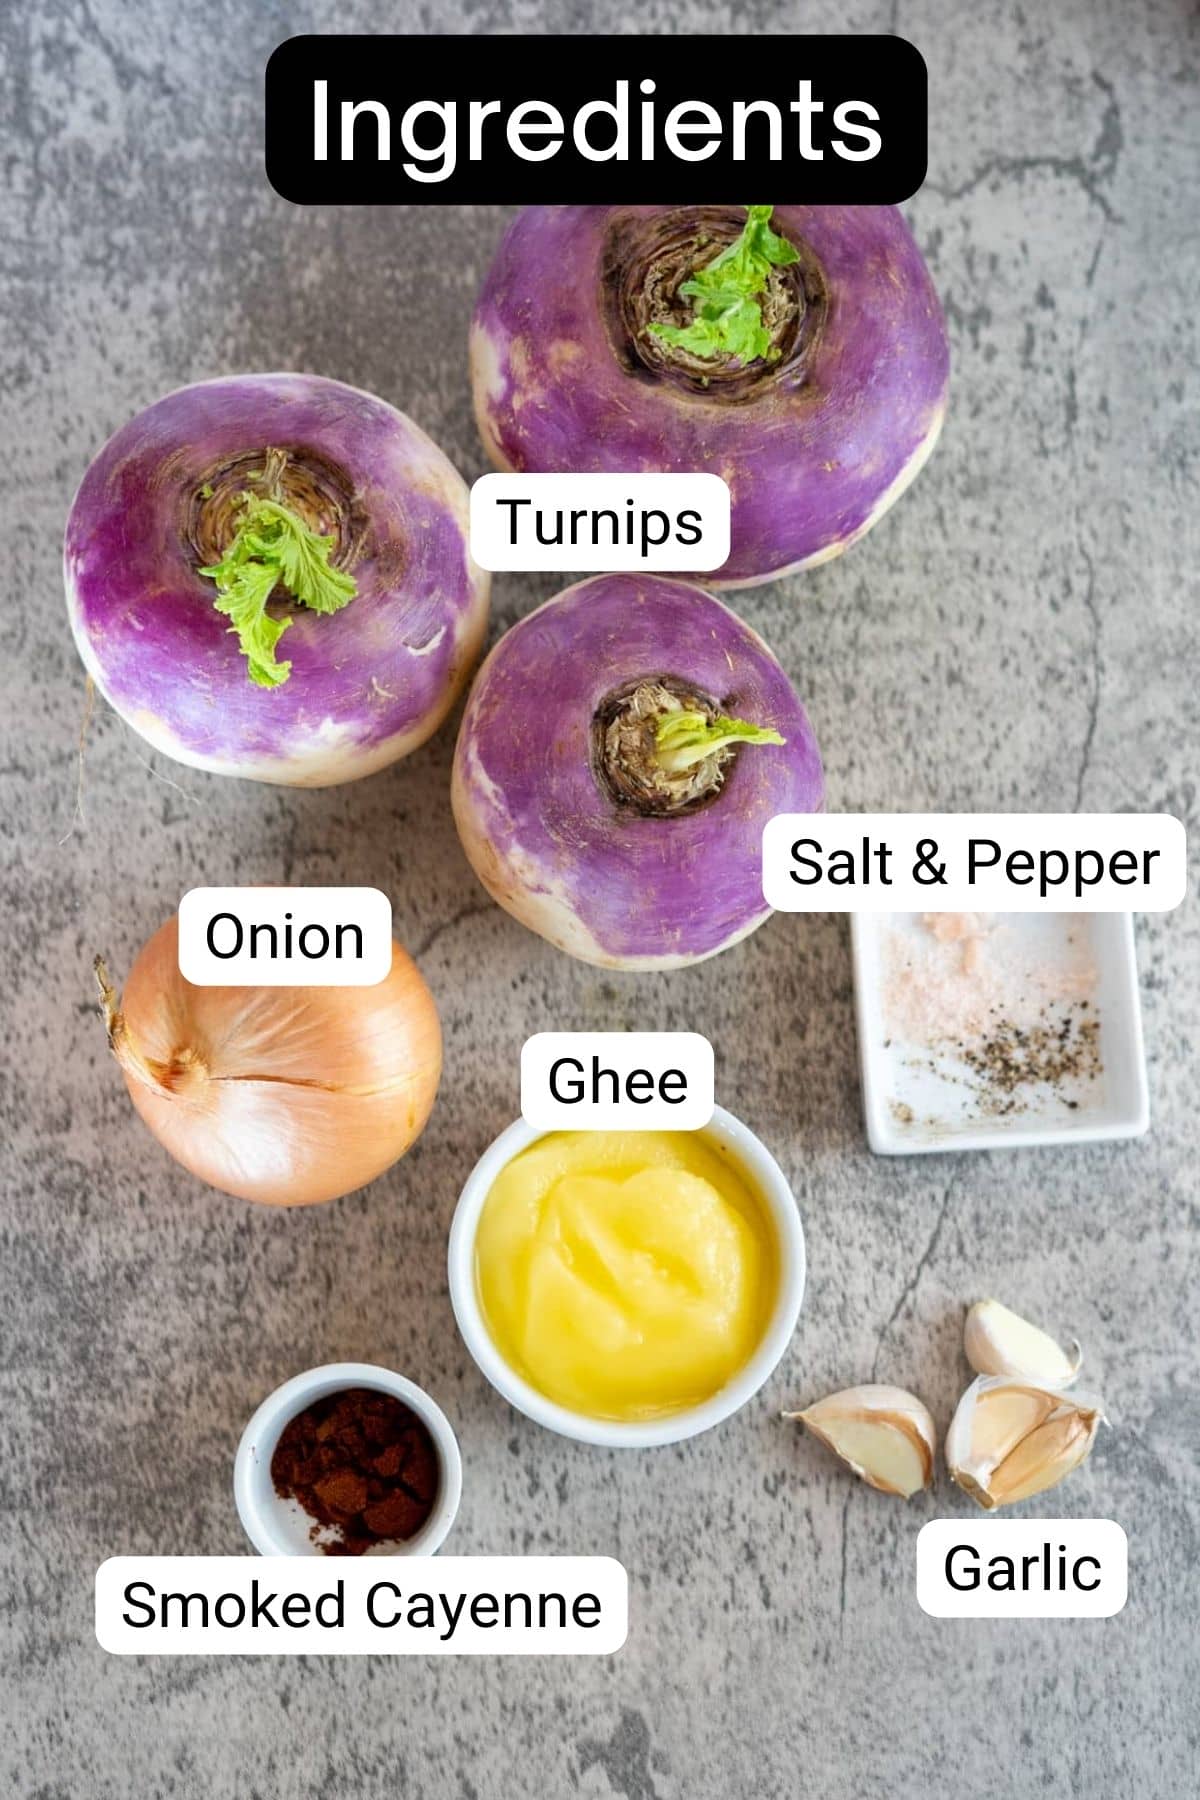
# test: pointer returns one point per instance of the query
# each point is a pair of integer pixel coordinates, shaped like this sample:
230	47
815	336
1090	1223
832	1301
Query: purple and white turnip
586	355
203	524
621	750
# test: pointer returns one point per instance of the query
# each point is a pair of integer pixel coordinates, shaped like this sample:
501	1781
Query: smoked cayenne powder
363	1465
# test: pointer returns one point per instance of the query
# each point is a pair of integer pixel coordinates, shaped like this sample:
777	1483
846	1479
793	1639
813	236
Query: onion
574	368
166	499
622	749
285	1095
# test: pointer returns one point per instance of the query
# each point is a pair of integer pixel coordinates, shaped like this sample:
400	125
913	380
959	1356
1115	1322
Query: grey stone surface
1020	633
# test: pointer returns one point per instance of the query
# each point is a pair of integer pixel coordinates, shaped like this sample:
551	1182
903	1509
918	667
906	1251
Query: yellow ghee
625	1275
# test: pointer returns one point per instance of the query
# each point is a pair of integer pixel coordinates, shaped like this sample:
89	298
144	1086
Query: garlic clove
882	1456
1010	1440
998	1341
885	1434
1003	1416
1045	1457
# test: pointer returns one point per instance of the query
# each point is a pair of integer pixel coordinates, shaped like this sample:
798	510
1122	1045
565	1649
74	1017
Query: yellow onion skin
284	1095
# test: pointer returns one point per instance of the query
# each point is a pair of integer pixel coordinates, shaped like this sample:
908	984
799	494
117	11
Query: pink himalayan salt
961	974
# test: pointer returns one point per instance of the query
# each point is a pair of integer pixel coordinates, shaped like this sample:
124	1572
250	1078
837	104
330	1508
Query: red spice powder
363	1464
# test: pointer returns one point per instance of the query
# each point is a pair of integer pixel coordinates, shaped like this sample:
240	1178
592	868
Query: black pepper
1059	1052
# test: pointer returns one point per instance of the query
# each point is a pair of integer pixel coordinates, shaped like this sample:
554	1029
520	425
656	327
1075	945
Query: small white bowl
755	1162
915	1097
278	1527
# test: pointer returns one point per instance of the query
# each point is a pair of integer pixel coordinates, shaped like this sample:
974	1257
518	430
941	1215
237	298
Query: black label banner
402	120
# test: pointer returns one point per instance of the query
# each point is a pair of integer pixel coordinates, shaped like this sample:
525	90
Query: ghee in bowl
626	1276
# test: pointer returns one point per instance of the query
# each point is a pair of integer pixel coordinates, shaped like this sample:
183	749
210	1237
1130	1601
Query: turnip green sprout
685	738
274	548
724	292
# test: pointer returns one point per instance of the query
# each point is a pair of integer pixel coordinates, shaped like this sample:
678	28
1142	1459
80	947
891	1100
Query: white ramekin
755	1162
279	1527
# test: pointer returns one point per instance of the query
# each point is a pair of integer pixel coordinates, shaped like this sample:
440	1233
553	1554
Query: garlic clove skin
884	1434
1009	1440
997	1341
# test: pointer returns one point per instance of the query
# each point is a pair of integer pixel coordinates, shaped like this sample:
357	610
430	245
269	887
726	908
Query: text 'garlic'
884	1434
998	1341
1009	1439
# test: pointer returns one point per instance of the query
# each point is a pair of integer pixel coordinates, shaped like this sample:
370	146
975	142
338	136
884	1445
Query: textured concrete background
1020	633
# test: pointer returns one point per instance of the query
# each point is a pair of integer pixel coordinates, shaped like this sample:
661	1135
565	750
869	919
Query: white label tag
617	1081
974	862
1022	1568
381	1605
285	937
600	522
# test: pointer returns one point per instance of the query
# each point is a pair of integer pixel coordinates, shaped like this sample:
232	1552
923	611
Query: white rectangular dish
997	1031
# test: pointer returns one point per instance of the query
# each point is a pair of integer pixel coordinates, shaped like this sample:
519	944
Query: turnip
622	748
268	576
803	359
